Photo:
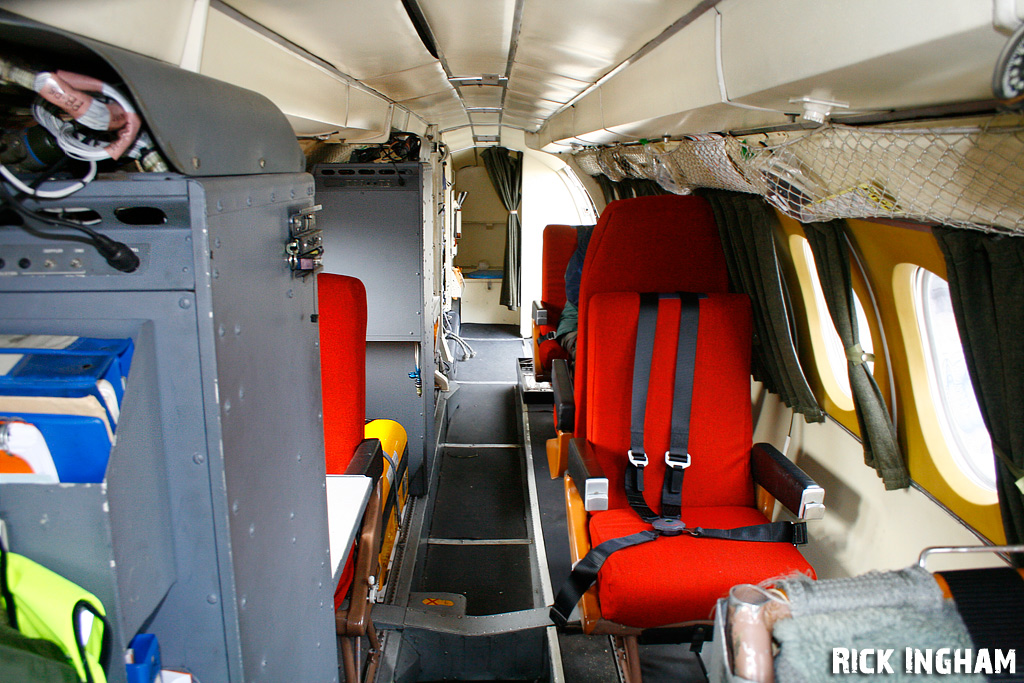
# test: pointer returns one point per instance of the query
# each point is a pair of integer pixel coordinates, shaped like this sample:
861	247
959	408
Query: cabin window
952	393
828	347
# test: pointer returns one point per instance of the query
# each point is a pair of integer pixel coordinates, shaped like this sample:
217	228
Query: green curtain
747	225
505	169
986	285
878	436
627	188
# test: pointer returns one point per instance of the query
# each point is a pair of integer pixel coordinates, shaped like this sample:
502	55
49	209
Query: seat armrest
368	460
565	402
540	313
586	472
788	483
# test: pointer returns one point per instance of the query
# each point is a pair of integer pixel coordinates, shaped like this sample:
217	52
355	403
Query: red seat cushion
342	319
720	419
559	243
548	351
662	243
676	579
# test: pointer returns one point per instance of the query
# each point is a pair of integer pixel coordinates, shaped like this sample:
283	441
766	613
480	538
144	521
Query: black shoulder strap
677	458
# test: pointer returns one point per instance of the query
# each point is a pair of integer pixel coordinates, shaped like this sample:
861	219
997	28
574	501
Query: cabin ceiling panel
924	52
347	34
236	54
415	82
156	28
537	83
583	40
481	95
484	118
474	36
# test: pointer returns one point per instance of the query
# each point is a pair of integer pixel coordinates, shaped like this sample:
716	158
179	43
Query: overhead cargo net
966	177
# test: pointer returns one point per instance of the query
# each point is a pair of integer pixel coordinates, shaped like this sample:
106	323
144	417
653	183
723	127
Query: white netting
967	177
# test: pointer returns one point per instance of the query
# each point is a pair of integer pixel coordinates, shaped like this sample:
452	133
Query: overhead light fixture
486	79
486	138
483	110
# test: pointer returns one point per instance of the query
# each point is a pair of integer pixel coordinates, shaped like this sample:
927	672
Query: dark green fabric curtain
986	285
832	258
505	169
748	226
627	188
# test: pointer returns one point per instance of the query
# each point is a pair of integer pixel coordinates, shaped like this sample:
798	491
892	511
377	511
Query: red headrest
342	304
559	245
664	243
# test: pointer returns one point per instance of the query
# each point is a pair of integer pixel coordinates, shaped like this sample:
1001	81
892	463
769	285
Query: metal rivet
238	329
216	240
216	273
227	406
252	529
196	162
199	458
263	163
220	330
291	294
234	508
211	598
185	302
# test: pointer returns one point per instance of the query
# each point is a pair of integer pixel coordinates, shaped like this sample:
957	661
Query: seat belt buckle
799	533
637	460
669	527
677	462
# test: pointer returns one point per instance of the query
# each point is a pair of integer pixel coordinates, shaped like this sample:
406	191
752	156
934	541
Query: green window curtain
747	226
505	169
986	285
832	259
627	188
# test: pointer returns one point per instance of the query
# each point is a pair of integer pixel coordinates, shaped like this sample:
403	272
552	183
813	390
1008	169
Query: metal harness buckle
637	460
677	462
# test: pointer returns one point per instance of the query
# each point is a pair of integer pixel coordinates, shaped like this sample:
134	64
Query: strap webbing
678	456
584	574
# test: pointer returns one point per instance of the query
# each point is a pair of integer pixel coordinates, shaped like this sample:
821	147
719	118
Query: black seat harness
677	458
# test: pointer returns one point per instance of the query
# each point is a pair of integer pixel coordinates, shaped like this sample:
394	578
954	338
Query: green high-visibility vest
48	606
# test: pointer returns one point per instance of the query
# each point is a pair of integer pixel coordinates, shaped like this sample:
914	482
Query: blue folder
80	445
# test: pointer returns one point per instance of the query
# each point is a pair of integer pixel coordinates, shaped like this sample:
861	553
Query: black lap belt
677	458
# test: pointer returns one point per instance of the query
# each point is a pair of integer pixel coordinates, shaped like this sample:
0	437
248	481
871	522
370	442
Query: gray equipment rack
210	530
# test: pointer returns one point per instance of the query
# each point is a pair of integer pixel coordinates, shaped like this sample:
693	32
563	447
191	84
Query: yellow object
393	441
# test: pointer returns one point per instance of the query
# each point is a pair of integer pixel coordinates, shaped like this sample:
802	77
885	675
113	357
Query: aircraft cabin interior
513	340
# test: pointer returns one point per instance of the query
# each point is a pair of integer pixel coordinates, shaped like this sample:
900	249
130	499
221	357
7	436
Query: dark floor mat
481	331
671	664
494	578
495	361
483	413
550	498
480	494
587	659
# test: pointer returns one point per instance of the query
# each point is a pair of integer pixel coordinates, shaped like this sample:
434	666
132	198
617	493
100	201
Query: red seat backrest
558	248
720	420
664	243
342	318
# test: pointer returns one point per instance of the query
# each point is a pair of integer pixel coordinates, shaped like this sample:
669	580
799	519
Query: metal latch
305	248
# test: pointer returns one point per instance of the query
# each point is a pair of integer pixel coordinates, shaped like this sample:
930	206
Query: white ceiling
543	52
572	71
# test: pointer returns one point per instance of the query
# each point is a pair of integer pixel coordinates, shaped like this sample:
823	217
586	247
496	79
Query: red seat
678	579
342	319
666	244
559	243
